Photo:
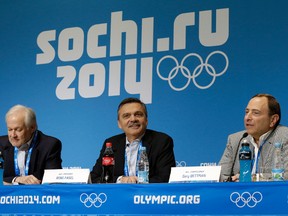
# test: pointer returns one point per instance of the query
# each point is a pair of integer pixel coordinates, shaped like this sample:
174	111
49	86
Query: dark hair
133	100
273	106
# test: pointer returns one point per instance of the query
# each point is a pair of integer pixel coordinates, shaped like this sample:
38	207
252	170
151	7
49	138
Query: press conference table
262	198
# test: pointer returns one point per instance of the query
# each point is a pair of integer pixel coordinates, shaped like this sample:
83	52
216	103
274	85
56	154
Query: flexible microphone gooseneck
229	179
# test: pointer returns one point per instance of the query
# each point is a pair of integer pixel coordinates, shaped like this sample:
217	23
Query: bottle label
278	174
245	171
143	177
245	156
107	161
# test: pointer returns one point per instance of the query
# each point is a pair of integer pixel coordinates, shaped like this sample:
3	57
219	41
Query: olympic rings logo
197	71
246	199
93	199
180	164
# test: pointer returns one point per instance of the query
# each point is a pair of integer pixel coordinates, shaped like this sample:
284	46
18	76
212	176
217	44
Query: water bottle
277	163
143	167
1	168
108	164
245	162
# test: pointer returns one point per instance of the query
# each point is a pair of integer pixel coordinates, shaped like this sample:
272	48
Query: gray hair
29	115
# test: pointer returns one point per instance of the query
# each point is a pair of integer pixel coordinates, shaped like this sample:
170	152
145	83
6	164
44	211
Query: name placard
66	176
195	174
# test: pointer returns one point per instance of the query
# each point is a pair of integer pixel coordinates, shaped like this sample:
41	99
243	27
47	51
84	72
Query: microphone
229	179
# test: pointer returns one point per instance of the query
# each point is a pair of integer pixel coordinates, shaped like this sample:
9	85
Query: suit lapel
120	149
267	151
9	159
34	155
146	141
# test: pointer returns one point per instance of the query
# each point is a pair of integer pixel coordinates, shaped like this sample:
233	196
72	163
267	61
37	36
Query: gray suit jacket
279	135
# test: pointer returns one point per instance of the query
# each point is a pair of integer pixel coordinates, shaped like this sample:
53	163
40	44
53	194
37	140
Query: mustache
132	124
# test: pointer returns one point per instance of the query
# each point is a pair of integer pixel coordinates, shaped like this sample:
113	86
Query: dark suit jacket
46	154
159	147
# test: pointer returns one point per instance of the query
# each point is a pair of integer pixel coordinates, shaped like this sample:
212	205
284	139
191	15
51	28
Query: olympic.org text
167	199
30	200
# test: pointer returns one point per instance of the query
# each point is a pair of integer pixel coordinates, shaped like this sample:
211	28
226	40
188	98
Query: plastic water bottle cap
245	142
277	145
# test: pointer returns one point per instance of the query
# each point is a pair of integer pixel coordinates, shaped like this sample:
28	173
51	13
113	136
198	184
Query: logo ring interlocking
180	164
246	198
196	73
93	199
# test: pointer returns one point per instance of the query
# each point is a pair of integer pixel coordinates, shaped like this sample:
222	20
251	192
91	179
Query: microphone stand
229	179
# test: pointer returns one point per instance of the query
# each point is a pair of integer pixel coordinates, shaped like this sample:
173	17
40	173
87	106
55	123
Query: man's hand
235	178
129	179
30	179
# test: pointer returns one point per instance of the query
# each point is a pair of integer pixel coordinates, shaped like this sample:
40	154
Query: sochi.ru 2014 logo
93	199
246	198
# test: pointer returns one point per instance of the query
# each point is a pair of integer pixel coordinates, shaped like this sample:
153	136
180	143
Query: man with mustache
262	123
133	120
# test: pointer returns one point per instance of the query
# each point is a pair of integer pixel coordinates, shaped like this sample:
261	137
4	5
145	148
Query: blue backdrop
194	63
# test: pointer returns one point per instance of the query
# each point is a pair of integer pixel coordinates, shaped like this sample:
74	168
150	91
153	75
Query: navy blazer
46	154
159	147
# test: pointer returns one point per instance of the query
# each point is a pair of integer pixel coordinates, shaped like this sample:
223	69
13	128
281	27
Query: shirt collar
134	141
262	138
26	146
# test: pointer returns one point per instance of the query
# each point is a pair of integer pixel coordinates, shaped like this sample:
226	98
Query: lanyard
256	162
126	169
17	170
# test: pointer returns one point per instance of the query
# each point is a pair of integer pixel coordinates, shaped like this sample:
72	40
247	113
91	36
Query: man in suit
133	120
261	120
27	152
